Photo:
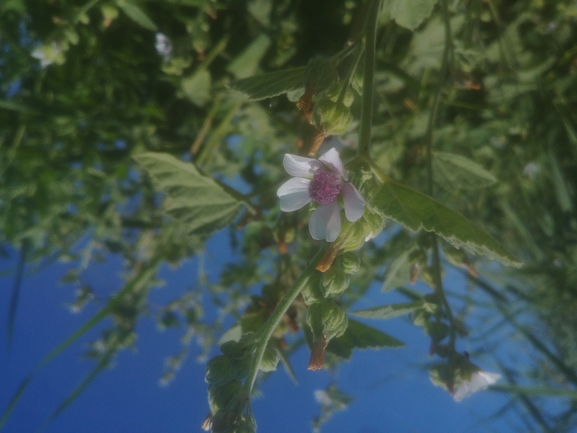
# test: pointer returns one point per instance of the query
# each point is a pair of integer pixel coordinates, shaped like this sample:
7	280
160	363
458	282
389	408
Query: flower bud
239	349
349	263
222	369
219	396
334	117
373	224
312	292
459	258
436	330
270	357
334	282
320	74
327	318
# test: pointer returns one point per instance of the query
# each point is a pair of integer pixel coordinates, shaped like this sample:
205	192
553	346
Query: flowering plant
320	181
478	381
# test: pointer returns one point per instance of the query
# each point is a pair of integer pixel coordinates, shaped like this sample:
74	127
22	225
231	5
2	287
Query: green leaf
398	273
416	211
246	63
271	84
385	312
360	336
409	13
197	87
136	14
454	172
14	106
197	201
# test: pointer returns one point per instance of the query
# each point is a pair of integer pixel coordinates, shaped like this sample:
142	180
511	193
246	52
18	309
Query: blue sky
391	388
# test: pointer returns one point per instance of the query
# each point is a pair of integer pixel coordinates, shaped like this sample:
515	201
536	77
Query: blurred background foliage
86	85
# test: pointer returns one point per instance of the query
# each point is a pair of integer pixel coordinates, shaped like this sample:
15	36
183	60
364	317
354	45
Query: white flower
48	54
163	45
479	381
320	181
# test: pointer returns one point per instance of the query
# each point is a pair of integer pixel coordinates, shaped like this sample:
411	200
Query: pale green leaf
271	84
197	201
197	87
247	62
136	14
454	172
409	13
360	336
385	312
398	273
416	211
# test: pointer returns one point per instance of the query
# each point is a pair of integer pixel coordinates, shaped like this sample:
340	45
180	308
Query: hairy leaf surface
196	200
361	336
271	84
416	211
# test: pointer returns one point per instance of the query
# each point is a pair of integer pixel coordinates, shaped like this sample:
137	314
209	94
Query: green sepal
327	318
270	357
349	262
222	369
437	330
334	282
334	117
220	395
312	292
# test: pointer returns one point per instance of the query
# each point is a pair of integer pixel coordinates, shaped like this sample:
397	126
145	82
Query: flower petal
462	391
300	166
294	194
354	202
333	160
325	222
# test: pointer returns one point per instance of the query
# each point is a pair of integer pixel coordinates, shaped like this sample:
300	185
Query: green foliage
361	336
480	92
386	312
416	210
454	172
409	13
271	84
199	202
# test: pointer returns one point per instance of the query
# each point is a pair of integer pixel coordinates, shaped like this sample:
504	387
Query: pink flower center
324	187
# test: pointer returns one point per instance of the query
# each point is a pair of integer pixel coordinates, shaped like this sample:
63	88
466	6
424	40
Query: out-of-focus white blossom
478	381
163	45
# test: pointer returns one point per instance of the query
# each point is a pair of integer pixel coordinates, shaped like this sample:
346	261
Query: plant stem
268	328
368	79
438	281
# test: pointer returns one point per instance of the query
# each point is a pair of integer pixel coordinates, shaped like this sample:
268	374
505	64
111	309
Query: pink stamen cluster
324	187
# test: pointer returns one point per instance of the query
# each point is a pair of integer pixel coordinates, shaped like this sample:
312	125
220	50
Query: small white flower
323	398
163	45
479	381
48	54
320	181
531	169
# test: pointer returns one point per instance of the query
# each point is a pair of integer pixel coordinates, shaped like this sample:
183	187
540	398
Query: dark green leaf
454	172
247	62
398	272
409	13
136	14
360	336
416	211
195	200
389	311
271	84
197	87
